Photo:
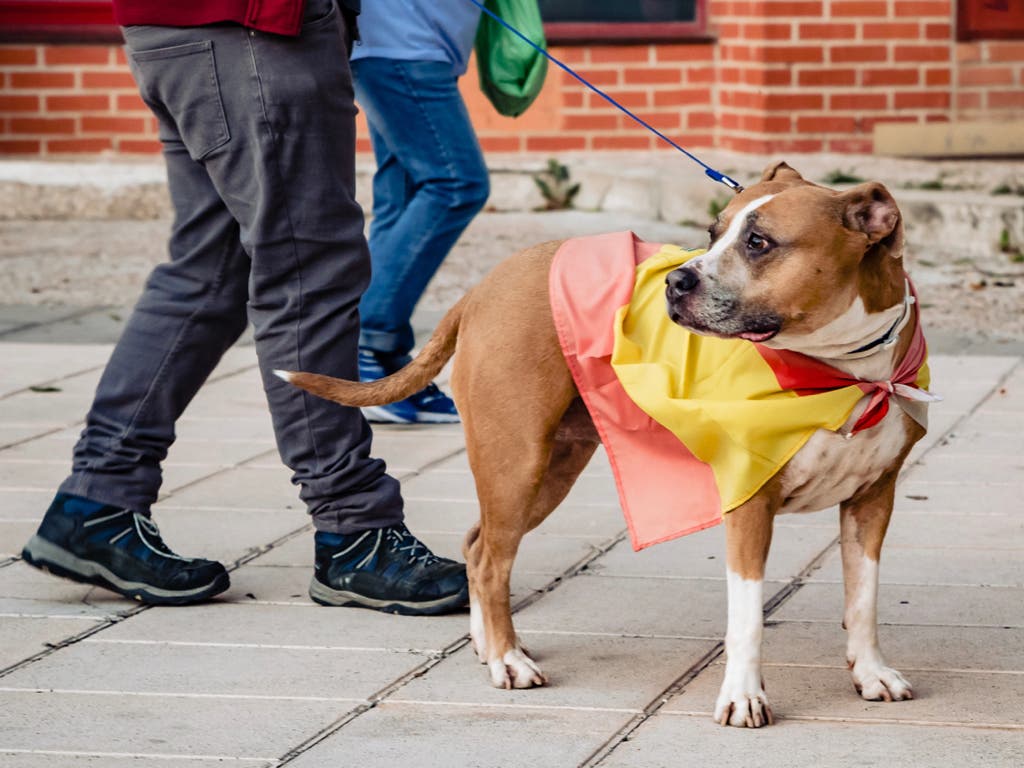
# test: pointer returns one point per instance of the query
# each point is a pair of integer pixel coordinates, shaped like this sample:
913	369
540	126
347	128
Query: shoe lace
402	540
150	535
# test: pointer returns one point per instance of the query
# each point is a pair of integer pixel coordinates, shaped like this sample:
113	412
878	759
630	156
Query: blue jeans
259	138
431	180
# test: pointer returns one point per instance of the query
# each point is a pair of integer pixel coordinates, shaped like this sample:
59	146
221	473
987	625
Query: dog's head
788	257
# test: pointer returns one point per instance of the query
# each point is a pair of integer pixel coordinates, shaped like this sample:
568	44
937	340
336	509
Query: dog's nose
682	280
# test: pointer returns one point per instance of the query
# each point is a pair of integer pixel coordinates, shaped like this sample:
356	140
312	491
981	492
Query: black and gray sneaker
387	569
116	548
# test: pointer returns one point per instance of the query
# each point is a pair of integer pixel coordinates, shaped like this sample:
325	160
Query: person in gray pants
258	131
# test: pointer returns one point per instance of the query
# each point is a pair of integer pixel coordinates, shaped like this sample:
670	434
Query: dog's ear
871	209
780	171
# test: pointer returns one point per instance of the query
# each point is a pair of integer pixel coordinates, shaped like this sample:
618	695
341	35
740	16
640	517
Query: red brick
621	142
76	54
764	31
113	124
92	102
828	31
18	103
700	119
1006	99
825	124
41	79
867	124
1001	50
922	100
892	31
938	31
820	77
968	101
488	143
968	52
77	146
778	102
937	119
571	99
614	54
42	125
363	145
701	75
986	76
649	76
129	102
726	29
851	146
780	9
20	147
857	54
919	8
922	53
860	8
140	146
663	121
795	145
590	122
746	145
793	54
18	55
684	52
678	97
890	77
858	101
631	99
938	77
762	77
555	143
112	79
695	140
730	75
570	54
766	123
729	120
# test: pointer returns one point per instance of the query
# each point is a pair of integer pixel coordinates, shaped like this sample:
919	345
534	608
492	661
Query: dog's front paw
743	706
515	670
876	682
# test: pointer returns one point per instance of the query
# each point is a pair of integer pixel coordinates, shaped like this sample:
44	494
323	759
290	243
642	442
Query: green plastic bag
511	72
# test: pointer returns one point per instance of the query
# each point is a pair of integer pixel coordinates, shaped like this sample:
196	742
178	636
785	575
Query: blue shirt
418	30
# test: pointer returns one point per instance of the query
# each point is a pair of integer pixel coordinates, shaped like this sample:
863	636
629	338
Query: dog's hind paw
515	670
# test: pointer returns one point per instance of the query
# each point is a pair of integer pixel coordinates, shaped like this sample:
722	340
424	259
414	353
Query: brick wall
784	75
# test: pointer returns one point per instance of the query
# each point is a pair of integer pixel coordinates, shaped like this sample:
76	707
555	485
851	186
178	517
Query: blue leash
710	172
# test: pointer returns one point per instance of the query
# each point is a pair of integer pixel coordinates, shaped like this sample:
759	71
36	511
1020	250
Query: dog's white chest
831	467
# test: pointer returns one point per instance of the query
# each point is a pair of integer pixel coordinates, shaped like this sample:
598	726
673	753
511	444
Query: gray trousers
259	137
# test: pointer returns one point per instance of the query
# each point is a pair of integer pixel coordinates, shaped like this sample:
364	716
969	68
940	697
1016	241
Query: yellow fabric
718	396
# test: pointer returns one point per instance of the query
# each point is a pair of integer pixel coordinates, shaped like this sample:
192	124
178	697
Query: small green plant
554	185
1008	189
938	183
1007	246
842	177
717	205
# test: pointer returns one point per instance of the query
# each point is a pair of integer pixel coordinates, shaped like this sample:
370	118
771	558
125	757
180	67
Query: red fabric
282	17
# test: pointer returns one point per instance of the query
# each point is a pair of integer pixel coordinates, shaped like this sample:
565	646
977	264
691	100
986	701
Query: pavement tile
985	468
936	565
680	608
34	474
14	534
963	380
417	447
250	429
968	438
246	487
994	531
151	726
703	554
236	620
37	592
908	648
955	698
442	736
21	638
227	670
584	671
960	496
225	534
458	484
666	740
108	760
902	604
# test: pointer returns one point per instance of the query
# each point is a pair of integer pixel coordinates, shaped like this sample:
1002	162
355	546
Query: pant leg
271	121
418	118
191	310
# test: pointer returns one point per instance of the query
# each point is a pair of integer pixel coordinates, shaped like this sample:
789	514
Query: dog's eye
757	244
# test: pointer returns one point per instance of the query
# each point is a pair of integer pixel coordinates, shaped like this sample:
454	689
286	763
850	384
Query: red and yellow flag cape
693	425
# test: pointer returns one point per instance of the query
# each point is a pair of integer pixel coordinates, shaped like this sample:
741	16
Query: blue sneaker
387	569
428	406
121	550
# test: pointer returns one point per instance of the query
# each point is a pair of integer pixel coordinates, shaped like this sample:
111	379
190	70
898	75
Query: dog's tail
399	385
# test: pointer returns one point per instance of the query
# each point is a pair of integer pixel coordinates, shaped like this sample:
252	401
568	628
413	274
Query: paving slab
23	637
442	736
59	759
938	566
666	740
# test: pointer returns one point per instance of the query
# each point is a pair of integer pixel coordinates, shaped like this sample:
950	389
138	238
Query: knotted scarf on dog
693	425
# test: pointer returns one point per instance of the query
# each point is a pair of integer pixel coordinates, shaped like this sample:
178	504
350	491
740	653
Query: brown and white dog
792	265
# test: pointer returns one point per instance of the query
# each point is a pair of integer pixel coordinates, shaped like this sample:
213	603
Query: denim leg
431	181
270	121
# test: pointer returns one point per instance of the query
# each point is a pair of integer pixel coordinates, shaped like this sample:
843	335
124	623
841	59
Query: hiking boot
428	406
387	569
121	550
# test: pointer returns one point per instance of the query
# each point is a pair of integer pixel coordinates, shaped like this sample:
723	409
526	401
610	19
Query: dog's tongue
756	336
